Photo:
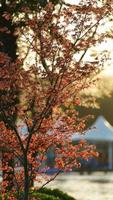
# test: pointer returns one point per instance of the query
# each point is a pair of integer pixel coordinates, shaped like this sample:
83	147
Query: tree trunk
26	179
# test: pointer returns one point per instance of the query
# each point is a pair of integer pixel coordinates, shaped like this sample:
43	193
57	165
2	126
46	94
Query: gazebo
100	132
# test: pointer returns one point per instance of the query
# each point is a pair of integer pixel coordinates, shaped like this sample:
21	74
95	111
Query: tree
8	38
48	89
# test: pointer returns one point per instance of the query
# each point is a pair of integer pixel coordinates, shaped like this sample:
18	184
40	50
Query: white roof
102	132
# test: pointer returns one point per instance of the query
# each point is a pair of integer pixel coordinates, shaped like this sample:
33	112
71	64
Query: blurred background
94	180
97	186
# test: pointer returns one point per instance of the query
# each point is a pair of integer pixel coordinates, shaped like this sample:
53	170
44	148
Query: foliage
48	84
45	196
56	193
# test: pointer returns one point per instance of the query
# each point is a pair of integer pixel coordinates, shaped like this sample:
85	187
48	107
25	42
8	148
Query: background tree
48	87
8	48
97	100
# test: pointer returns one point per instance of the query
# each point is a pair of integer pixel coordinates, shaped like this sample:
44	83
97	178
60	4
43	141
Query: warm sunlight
106	46
56	82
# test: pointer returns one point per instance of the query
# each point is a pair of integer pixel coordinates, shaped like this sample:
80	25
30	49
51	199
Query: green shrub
43	196
56	193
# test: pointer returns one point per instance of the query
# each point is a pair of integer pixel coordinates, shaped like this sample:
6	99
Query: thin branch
53	178
93	34
78	38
